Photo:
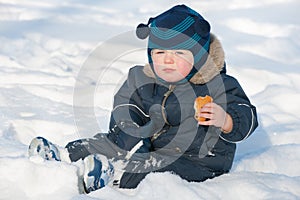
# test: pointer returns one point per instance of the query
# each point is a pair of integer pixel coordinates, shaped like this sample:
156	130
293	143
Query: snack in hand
198	104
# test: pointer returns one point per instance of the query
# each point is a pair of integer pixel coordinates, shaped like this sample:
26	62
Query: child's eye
179	52
159	52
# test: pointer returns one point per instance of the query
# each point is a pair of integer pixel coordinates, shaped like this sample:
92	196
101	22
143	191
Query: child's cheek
184	68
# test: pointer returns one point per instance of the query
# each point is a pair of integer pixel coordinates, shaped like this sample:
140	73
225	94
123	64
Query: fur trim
148	71
211	68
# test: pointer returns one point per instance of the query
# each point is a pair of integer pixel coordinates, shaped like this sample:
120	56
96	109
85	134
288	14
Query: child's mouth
168	70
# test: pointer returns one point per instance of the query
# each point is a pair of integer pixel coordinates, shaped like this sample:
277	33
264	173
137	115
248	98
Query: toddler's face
172	65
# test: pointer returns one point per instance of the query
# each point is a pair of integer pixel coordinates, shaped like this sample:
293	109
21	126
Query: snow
53	85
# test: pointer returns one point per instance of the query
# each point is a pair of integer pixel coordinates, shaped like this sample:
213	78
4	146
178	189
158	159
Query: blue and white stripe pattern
170	33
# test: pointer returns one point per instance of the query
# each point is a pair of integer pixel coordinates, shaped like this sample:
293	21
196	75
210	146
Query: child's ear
202	27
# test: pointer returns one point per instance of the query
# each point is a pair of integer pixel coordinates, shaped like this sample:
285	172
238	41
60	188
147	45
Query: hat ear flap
142	31
202	27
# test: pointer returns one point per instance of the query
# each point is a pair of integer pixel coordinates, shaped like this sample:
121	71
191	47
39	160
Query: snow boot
44	148
98	172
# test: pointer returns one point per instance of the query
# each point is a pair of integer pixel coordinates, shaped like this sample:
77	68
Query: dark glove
154	125
156	122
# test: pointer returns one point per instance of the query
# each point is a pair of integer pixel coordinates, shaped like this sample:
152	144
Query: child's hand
216	116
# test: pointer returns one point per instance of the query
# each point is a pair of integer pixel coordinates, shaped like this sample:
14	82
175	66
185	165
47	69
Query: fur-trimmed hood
212	67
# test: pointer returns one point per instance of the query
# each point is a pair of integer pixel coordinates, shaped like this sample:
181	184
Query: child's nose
169	57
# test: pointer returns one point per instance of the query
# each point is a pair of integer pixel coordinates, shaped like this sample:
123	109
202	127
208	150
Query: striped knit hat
178	28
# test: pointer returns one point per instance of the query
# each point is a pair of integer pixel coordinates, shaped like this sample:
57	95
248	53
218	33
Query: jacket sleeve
238	106
127	116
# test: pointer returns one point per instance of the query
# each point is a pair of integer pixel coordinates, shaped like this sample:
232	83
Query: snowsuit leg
99	144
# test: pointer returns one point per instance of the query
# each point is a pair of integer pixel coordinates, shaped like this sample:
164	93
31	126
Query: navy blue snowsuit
178	144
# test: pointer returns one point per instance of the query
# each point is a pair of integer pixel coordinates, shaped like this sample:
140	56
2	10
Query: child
152	125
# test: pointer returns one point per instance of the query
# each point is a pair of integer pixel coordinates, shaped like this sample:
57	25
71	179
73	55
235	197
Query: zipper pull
171	89
166	95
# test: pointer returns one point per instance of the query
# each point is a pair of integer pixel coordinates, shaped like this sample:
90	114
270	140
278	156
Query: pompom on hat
178	28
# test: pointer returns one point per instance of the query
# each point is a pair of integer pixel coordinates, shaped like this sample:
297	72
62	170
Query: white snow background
44	44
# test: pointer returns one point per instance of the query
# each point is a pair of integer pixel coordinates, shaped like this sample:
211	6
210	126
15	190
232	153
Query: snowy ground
46	44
